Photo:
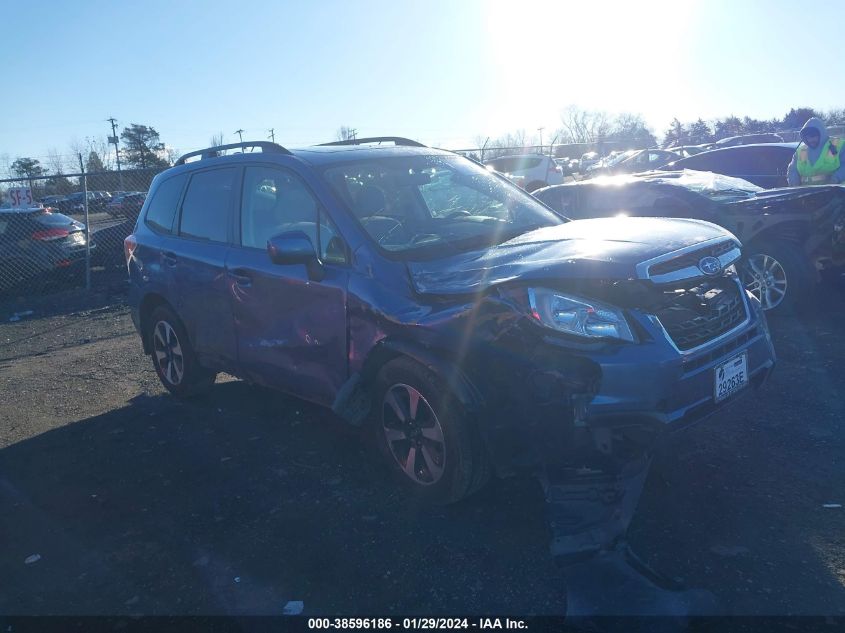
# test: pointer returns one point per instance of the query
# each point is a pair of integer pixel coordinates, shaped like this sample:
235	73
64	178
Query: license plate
730	376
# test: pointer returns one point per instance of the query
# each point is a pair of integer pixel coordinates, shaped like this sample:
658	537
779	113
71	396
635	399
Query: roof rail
396	140
211	152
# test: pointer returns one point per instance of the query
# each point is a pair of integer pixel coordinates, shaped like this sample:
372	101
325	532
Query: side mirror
293	248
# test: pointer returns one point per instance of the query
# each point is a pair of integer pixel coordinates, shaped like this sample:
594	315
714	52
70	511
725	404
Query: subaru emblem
710	266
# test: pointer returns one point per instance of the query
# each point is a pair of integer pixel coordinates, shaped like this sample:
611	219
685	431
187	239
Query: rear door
205	234
291	330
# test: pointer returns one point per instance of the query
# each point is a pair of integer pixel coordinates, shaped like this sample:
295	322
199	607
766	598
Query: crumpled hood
605	248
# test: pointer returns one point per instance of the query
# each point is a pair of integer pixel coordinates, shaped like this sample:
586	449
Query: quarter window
162	208
205	211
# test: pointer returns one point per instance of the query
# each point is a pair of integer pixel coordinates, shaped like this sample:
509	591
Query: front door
291	330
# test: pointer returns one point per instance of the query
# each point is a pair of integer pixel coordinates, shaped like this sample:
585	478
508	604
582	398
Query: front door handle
242	278
169	259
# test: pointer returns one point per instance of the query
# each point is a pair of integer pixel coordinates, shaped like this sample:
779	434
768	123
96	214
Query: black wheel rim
168	353
413	434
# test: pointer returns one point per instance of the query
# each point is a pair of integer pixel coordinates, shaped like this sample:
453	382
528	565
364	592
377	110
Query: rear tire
173	357
417	418
778	273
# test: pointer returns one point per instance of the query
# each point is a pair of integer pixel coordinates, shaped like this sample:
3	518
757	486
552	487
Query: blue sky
442	72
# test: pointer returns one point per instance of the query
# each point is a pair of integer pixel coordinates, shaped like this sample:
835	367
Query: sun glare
612	56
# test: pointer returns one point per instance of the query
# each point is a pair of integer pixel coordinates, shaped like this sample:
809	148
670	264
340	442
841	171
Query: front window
431	204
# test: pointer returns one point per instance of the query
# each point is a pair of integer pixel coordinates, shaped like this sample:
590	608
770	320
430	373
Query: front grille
696	316
690	259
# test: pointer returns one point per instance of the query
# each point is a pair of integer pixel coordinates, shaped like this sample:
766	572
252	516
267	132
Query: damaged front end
588	411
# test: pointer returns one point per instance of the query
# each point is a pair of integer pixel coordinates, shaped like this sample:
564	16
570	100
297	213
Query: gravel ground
136	503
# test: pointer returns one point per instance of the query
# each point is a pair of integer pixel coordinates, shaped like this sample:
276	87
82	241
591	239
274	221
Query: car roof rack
396	140
211	152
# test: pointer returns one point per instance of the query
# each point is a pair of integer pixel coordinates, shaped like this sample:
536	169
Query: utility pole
540	130
353	133
113	139
240	134
272	136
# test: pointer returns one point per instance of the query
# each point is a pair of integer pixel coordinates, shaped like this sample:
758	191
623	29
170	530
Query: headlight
581	317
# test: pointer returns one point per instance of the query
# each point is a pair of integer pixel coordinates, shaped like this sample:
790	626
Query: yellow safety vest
818	173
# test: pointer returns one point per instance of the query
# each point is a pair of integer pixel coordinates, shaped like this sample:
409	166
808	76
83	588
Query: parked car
588	160
763	165
126	204
37	246
535	170
469	327
51	201
748	139
789	235
633	161
689	150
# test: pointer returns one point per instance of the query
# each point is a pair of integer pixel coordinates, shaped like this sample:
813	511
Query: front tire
173	357
779	275
425	436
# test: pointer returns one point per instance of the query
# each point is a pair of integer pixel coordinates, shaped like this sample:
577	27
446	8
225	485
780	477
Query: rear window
52	219
205	211
162	208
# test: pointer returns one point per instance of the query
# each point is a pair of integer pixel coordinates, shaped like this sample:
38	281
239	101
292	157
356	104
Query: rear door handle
169	259
241	278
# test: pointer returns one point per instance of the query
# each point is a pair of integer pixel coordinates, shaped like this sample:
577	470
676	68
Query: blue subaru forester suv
467	326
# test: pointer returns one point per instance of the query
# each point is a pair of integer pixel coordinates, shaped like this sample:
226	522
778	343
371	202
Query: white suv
529	171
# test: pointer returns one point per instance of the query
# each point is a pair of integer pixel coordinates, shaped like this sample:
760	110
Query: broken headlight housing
578	316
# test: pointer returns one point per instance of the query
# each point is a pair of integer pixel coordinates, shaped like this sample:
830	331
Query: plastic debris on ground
832	505
32	559
294	607
17	316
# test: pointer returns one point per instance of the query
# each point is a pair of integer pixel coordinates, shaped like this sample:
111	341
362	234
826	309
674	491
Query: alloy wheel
168	353
765	278
414	435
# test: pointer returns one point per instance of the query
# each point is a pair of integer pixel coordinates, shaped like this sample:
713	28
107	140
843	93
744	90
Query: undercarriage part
590	508
616	583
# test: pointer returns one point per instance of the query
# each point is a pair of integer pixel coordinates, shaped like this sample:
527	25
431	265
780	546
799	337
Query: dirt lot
245	499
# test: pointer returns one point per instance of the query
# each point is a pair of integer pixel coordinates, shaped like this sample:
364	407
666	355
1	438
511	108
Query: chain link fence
66	231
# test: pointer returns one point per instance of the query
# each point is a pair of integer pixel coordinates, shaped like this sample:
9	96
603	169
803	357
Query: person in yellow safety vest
817	161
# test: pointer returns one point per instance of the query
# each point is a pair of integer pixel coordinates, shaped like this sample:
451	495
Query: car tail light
63	263
129	246
48	235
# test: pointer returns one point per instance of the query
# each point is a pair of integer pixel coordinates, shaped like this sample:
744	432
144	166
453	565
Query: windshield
621	157
432	204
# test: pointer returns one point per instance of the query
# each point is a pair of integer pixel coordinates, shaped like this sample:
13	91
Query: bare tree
216	140
56	162
583	126
345	133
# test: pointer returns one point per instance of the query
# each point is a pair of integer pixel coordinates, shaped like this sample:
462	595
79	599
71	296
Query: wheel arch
793	231
352	401
149	303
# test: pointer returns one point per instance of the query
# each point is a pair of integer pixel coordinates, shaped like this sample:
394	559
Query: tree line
140	148
590	128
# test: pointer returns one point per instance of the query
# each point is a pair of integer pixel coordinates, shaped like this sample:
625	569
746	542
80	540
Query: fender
353	400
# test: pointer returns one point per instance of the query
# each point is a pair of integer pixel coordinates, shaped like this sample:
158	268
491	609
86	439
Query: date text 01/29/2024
416	623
